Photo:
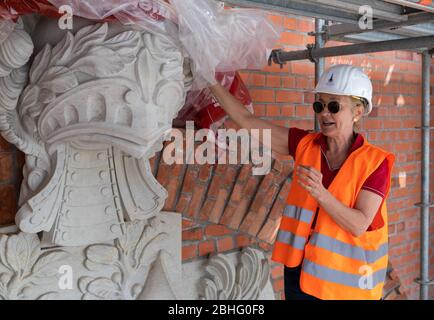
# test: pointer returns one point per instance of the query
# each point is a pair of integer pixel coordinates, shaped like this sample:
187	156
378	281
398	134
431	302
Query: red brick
255	218
214	230
259	110
276	19
277	272
206	209
163	173
4	145
8	204
234	213
278	285
304	112
225	244
189	252
293	39
243	241
287	111
182	204
273	81
262	95
172	188
265	246
272	111
187	224
288	82
257	80
205	172
303	68
196	201
304	83
290	23
404	55
6	167
219	206
309	97
306	25
289	96
189	180
206	247
230	176
250	186
192	234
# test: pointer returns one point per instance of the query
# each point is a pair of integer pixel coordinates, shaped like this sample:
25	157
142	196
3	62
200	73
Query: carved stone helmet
89	110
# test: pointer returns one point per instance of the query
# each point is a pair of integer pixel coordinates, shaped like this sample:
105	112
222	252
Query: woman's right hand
244	119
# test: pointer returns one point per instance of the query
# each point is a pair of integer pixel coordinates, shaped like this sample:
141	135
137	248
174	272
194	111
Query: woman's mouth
327	124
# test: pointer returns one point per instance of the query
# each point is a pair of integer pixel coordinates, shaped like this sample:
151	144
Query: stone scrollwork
226	280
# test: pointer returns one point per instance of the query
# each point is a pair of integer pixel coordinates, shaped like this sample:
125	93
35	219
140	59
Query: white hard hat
346	80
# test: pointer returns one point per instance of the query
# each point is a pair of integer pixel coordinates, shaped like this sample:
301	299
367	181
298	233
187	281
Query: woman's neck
340	143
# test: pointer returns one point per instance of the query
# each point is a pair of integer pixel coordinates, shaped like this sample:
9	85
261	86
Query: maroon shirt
376	182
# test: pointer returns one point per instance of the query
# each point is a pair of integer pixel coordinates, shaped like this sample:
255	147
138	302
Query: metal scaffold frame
396	25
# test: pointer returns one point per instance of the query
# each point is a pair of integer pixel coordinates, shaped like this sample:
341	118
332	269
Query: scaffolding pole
425	205
279	56
320	62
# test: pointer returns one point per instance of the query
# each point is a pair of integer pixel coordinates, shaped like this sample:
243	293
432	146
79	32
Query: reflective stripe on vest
298	213
291	239
344	278
348	250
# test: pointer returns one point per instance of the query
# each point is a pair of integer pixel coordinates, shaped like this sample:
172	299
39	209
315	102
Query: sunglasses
332	106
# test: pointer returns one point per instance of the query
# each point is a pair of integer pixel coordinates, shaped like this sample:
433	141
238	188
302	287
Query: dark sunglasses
332	106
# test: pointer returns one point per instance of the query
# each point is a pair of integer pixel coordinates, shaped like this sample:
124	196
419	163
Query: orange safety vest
336	264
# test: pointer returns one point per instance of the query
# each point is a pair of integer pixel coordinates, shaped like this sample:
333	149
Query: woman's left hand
311	180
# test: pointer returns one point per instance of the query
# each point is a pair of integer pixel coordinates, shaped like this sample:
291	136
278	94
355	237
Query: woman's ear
358	112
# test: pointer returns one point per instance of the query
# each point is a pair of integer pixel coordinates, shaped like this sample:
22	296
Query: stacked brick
11	162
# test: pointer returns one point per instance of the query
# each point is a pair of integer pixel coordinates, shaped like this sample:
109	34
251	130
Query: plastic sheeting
100	10
217	39
221	40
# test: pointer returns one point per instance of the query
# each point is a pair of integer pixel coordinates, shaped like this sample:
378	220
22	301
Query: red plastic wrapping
202	108
12	9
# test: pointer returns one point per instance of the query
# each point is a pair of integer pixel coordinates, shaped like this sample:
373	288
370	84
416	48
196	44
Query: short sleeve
294	137
377	182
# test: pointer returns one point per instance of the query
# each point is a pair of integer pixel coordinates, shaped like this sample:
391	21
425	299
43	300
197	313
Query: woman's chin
328	131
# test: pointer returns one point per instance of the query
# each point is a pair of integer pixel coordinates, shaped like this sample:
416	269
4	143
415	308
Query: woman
333	237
